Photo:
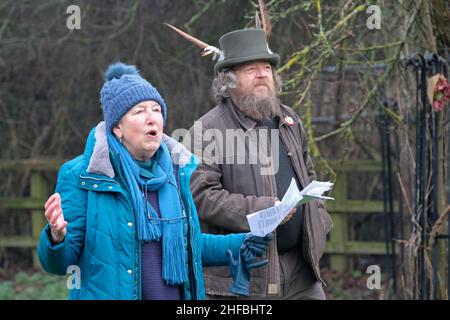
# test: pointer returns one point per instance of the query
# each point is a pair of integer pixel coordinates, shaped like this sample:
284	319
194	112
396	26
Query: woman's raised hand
55	218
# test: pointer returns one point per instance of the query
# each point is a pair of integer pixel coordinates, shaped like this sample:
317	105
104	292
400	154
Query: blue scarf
150	227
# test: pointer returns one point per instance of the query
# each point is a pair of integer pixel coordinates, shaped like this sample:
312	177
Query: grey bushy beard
255	107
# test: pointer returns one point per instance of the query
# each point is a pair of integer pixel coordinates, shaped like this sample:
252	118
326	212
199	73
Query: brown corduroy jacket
227	187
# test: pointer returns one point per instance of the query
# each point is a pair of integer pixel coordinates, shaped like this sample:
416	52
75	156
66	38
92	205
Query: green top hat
243	46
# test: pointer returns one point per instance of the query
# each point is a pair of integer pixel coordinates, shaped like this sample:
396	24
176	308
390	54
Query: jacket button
95	186
83	183
110	187
130	224
182	173
129	271
289	154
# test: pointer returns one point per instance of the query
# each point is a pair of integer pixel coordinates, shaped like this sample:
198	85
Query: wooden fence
339	246
39	193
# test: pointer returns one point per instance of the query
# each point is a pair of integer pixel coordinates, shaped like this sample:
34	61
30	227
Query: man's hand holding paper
265	221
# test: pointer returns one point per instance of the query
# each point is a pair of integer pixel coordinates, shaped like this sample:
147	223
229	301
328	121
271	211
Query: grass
34	285
38	285
350	286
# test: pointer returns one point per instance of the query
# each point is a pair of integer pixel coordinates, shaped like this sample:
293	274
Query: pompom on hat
123	89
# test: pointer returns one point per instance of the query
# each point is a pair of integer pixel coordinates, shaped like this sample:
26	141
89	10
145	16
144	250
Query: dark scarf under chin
150	227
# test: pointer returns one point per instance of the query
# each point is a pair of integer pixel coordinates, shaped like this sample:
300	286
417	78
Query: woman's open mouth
152	133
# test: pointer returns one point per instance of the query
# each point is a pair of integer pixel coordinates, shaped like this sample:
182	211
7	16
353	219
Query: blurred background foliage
51	76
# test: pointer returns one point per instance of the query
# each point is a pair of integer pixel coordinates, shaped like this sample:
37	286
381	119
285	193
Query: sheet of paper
292	195
314	190
265	221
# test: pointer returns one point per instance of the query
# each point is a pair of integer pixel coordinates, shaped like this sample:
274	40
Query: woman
123	211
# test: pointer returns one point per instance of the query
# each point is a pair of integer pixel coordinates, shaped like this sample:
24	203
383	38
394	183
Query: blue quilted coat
101	238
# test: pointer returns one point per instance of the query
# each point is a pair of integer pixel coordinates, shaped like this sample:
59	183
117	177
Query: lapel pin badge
289	121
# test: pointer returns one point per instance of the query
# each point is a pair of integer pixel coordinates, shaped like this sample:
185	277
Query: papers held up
265	221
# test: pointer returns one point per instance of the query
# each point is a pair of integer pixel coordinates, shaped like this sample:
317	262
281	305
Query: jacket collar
100	162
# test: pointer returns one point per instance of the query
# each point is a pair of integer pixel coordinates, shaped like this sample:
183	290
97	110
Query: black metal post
400	198
416	62
422	177
391	200
388	202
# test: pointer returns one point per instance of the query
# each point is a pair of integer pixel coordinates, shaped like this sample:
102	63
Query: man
230	183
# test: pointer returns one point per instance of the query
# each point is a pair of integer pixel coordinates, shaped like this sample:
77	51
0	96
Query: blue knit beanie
123	89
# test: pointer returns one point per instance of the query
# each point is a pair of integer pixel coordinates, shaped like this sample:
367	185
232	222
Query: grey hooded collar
100	163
